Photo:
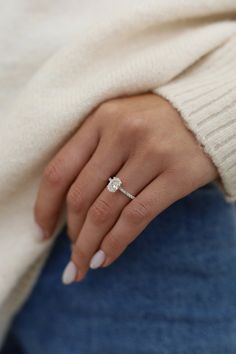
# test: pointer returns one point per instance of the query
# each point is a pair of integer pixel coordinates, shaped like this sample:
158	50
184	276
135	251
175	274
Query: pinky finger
151	201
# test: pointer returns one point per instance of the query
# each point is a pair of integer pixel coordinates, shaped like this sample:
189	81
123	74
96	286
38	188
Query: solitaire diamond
114	184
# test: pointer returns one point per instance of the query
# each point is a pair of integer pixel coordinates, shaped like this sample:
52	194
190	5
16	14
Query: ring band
115	184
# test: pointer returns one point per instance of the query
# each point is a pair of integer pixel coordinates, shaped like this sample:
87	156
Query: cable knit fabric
60	59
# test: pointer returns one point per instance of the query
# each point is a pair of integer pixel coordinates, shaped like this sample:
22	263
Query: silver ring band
115	184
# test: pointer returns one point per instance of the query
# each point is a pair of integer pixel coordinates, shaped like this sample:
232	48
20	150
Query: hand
142	140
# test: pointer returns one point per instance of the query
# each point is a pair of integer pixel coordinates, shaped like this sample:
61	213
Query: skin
141	139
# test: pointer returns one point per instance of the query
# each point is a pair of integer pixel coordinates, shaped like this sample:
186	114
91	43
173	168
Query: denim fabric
173	291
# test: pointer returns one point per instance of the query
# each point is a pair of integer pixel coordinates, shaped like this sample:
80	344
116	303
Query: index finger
59	175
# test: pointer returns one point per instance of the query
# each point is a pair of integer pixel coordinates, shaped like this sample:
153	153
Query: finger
90	183
106	209
60	173
156	197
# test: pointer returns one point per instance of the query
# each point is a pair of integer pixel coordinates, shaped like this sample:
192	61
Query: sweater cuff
205	96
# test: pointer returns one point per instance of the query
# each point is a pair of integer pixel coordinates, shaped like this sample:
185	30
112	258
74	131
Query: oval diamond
114	184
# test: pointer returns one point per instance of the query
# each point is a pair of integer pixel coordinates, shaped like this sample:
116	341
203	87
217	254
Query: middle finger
90	182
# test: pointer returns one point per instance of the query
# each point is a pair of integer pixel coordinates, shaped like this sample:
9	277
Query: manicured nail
97	259
69	273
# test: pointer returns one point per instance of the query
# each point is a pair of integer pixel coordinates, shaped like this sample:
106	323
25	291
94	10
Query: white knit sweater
60	59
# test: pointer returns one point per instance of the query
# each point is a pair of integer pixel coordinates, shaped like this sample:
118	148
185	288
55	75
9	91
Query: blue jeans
173	291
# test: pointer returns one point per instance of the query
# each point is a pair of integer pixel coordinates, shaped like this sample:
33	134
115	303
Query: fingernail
97	259
69	273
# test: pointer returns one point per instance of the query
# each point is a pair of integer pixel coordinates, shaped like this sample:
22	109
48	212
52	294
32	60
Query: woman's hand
142	140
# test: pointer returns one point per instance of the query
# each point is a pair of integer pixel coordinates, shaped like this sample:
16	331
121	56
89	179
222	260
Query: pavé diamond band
115	184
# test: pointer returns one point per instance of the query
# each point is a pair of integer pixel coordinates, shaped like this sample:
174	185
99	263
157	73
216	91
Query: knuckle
133	125
136	213
100	211
74	198
53	173
109	108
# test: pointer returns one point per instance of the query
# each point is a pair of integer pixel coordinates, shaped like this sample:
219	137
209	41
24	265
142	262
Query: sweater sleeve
205	96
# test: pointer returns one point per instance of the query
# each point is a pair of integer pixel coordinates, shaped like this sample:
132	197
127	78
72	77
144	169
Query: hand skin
141	139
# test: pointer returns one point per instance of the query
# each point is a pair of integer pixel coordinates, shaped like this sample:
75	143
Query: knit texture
55	69
205	96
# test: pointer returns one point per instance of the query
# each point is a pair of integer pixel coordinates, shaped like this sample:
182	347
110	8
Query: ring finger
106	209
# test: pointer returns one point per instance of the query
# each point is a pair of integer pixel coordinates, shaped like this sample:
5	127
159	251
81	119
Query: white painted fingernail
97	259
69	273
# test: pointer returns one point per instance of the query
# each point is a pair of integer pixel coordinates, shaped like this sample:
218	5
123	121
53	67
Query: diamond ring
115	184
